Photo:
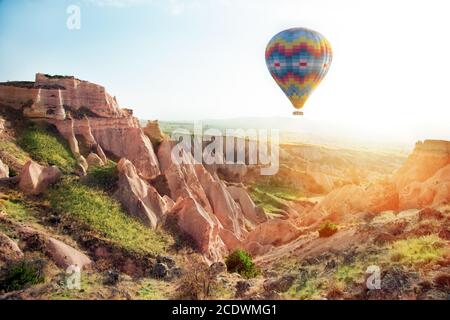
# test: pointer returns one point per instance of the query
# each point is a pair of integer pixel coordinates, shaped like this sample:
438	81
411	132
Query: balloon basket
297	113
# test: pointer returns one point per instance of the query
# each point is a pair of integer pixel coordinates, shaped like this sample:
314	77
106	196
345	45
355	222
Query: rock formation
433	192
4	170
138	197
66	256
84	113
34	178
423	180
426	159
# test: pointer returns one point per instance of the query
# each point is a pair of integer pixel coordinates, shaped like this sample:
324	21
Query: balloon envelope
298	59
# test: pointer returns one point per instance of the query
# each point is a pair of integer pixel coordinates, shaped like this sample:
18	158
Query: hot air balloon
298	59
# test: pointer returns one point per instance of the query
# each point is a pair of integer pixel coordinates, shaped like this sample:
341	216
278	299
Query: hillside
82	183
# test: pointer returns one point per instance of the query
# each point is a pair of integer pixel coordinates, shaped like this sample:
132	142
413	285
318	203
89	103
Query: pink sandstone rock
202	226
94	160
252	213
138	197
4	170
119	137
51	97
433	192
34	178
426	159
274	232
224	207
181	178
9	250
64	255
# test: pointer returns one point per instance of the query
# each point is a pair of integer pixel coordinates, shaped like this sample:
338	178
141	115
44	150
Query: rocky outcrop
52	97
181	178
433	192
65	256
426	159
61	253
201	226
4	170
9	250
94	160
118	137
138	197
153	131
274	232
34	178
84	113
251	212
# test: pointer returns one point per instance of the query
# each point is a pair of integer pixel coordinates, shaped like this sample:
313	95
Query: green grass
17	210
10	148
267	201
152	289
47	147
21	274
104	178
417	251
241	262
306	291
348	274
280	191
90	283
102	214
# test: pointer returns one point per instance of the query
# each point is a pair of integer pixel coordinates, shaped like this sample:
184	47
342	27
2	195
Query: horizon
147	53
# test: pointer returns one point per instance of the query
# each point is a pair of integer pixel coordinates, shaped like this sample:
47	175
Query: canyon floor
83	184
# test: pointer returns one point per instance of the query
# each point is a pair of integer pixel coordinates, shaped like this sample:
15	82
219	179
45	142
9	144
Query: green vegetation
104	178
90	284
417	251
272	196
152	289
21	274
102	214
348	274
280	191
241	262
17	210
11	149
327	229
48	147
307	290
268	202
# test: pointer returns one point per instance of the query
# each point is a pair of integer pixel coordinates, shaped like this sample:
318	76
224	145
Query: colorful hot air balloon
298	59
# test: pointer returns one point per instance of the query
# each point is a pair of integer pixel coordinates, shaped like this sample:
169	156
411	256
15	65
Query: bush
104	178
241	262
417	251
48	147
327	229
104	215
196	283
21	274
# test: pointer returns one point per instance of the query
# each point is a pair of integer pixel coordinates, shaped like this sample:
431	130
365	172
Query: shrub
417	251
241	262
48	147
18	275
102	214
105	177
327	229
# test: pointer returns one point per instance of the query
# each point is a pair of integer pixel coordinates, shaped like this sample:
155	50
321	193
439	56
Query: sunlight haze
194	59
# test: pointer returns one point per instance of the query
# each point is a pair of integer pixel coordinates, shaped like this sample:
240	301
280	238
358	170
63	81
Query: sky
204	59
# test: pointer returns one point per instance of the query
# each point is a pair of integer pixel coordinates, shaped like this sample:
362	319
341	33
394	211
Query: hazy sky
197	59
